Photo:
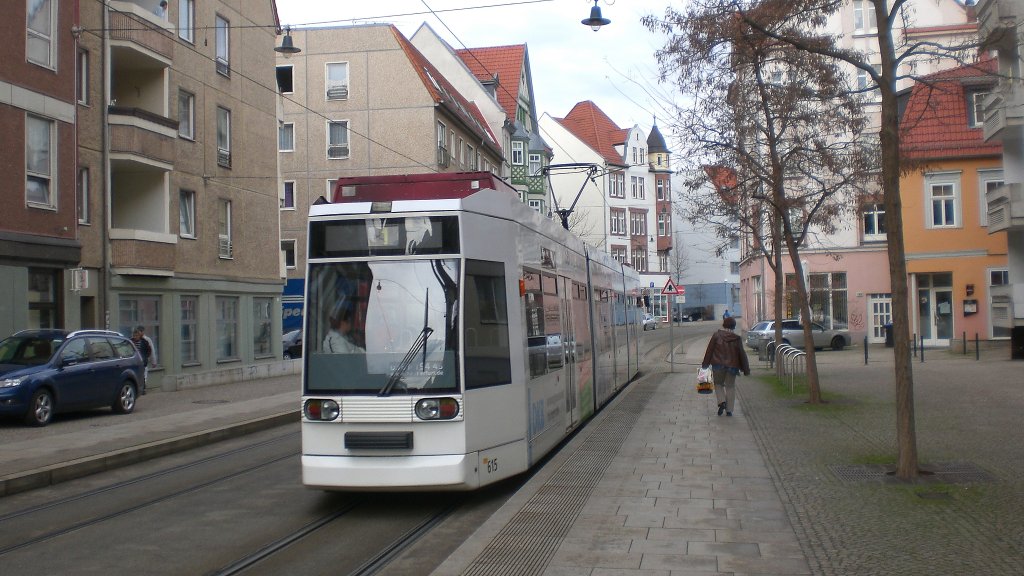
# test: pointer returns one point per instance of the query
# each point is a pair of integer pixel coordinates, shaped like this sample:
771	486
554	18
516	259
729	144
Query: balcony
1006	208
997	23
136	28
132	253
142	135
1004	112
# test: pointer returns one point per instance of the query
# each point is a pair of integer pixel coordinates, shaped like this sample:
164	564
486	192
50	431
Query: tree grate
940	473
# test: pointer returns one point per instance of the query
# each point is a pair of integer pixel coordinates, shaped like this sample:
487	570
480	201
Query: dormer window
976	109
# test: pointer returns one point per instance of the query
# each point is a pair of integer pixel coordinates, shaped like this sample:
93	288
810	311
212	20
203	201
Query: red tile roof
444	93
591	125
505	62
934	124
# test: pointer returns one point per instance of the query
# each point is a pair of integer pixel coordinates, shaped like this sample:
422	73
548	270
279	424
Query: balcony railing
131	28
1005	208
998	21
142	133
142	256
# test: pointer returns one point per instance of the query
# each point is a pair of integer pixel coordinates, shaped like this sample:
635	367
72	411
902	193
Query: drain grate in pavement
940	473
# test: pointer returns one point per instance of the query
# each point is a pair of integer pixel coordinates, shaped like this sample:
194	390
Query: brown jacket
726	349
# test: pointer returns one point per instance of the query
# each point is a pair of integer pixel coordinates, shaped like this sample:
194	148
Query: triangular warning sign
670	288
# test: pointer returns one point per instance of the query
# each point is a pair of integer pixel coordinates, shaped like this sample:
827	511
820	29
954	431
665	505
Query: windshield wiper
419	343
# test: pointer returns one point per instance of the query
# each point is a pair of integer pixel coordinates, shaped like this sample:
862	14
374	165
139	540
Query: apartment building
953	261
847	272
177	183
620	207
363	100
39	247
1001	28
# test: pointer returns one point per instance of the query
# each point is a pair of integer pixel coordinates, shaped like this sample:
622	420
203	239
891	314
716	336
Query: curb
72	469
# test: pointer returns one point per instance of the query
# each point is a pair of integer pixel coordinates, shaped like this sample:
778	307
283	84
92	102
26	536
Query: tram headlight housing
437	408
320	409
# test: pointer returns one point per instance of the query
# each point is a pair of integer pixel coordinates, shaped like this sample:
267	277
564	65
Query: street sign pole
671	332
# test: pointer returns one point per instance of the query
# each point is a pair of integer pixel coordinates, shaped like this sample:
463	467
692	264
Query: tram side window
543	323
488	359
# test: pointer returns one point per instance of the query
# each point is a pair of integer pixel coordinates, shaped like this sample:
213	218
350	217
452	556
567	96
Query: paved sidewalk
75	445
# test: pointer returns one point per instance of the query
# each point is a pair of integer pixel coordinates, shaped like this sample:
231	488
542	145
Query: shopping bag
705	381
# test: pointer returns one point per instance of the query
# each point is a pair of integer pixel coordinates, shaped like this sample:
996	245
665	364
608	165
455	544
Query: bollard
922	348
977	351
865	350
965	343
914	340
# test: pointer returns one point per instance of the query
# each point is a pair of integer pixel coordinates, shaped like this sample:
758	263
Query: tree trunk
813	384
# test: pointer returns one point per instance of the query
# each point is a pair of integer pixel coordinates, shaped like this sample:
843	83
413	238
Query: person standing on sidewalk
727	358
146	350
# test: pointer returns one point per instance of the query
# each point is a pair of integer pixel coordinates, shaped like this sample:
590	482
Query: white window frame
186	121
227	327
33	172
470	157
977	108
291	72
82	77
343	147
224	137
340	88
1004	280
186	213
537	205
617	221
876	209
84	215
49	36
189	333
633	185
286	249
225	248
987	179
186	20
285	186
535	165
864	16
643	193
517	152
222	45
932	183
286	128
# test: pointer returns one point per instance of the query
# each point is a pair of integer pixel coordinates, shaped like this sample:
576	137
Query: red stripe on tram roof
429	186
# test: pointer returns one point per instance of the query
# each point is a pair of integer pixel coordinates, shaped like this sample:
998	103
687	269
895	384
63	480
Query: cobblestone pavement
967	413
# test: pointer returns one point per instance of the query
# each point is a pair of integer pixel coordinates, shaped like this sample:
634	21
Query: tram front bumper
444	472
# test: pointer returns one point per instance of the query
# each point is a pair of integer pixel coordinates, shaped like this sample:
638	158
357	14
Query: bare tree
783	121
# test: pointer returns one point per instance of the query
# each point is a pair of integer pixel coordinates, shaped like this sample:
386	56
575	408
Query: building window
39	158
517	152
42	23
734	267
337	139
288	195
337	81
874	222
82	72
534	164
227	328
444	157
186	20
864	16
461	151
640	259
187	214
638	224
988	180
134	310
634	154
43	295
470	158
618	253
943	204
617	221
660	186
286	79
663	260
223	57
976	109
633	185
643	194
288	248
189	343
261	325
223	137
186	115
83	197
286	137
537	205
225	249
664	225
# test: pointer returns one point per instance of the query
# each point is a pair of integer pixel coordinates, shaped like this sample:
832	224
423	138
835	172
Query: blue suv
43	372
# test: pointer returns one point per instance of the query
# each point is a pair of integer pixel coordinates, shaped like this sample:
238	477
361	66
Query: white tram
453	336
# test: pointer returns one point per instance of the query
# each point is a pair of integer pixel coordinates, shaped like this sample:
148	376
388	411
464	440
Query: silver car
793	334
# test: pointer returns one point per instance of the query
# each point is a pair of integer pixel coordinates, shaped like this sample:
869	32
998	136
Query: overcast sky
614	67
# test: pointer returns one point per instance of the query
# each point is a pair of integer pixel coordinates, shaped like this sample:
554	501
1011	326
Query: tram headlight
437	408
320	409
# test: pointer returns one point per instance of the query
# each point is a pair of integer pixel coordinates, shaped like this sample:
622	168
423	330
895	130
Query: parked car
793	334
650	322
43	372
291	343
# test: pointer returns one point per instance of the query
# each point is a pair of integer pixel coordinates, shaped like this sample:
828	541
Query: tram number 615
492	465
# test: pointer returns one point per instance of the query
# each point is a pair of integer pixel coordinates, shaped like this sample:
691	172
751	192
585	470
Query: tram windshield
382	327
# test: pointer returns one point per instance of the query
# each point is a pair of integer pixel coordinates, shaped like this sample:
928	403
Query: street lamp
287	47
595	21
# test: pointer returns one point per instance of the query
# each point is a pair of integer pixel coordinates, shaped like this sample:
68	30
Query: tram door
572	397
